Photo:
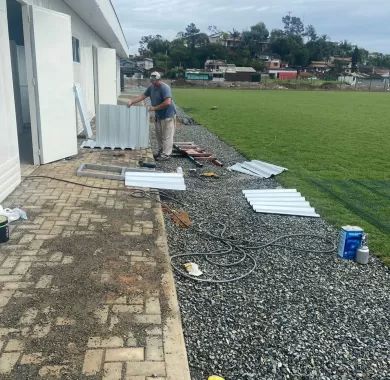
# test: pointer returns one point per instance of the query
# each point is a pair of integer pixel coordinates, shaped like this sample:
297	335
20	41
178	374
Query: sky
362	22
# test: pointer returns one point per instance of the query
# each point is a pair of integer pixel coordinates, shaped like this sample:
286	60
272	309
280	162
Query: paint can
350	241
4	229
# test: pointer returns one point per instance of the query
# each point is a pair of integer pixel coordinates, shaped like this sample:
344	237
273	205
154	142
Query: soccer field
336	146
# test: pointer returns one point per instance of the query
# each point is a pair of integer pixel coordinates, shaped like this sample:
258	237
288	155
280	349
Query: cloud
358	21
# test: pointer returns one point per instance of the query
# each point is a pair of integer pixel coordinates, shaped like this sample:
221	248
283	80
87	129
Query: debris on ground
209	175
13	214
193	269
180	218
195	154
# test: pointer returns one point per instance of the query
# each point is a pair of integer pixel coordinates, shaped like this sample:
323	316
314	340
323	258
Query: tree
310	33
213	29
151	45
356	57
293	25
255	38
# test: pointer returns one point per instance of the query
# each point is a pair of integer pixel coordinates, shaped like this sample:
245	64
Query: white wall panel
107	76
54	71
9	151
83	71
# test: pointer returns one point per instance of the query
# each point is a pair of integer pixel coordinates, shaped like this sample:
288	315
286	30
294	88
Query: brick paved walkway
86	288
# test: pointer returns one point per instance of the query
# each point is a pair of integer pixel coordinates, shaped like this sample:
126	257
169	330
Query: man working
165	114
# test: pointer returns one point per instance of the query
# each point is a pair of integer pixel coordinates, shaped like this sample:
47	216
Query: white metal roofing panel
122	127
269	191
238	168
258	168
279	201
155	180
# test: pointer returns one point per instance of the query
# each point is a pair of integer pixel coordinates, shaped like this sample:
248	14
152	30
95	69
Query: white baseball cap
155	75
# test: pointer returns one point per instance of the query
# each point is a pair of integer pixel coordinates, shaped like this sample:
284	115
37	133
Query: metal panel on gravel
156	180
122	127
257	168
279	201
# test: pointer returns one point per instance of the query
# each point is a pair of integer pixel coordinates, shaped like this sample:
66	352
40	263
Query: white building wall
83	71
9	151
118	75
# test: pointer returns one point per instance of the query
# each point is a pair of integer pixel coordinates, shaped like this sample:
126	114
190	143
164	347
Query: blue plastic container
350	241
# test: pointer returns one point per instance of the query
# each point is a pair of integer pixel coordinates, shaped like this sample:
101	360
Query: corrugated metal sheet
279	201
156	180
257	168
122	127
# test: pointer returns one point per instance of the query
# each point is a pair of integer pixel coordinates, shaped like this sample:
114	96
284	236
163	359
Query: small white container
363	255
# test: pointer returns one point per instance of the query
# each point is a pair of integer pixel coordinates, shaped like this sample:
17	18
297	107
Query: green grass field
336	146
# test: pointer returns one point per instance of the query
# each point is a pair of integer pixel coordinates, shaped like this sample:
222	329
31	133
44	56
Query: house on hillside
225	39
273	64
241	74
145	64
216	65
344	62
319	67
46	48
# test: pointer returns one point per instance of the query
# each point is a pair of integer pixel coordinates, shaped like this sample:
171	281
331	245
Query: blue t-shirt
157	96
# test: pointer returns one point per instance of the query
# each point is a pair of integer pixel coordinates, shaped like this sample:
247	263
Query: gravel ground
299	315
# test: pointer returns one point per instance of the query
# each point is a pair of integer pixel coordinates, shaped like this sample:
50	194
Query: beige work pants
165	130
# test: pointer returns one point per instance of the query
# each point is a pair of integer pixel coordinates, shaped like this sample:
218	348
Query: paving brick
44	281
32	359
53	371
67	260
152	306
124	354
28	316
148	319
150	331
18	285
131	309
10	278
57	256
10	262
97	342
27	238
116	300
14	345
5	296
22	268
40	331
8	361
102	314
112	371
146	368
154	349
93	362
62	321
36	244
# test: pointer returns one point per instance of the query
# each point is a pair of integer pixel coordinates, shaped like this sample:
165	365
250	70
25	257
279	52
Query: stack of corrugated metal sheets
120	127
156	180
279	201
257	168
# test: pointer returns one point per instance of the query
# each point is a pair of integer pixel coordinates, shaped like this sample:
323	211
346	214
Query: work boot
163	157
157	155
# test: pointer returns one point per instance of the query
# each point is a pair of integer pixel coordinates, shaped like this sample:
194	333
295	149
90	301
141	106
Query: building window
76	49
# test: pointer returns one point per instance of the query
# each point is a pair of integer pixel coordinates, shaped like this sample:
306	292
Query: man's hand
151	108
129	103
